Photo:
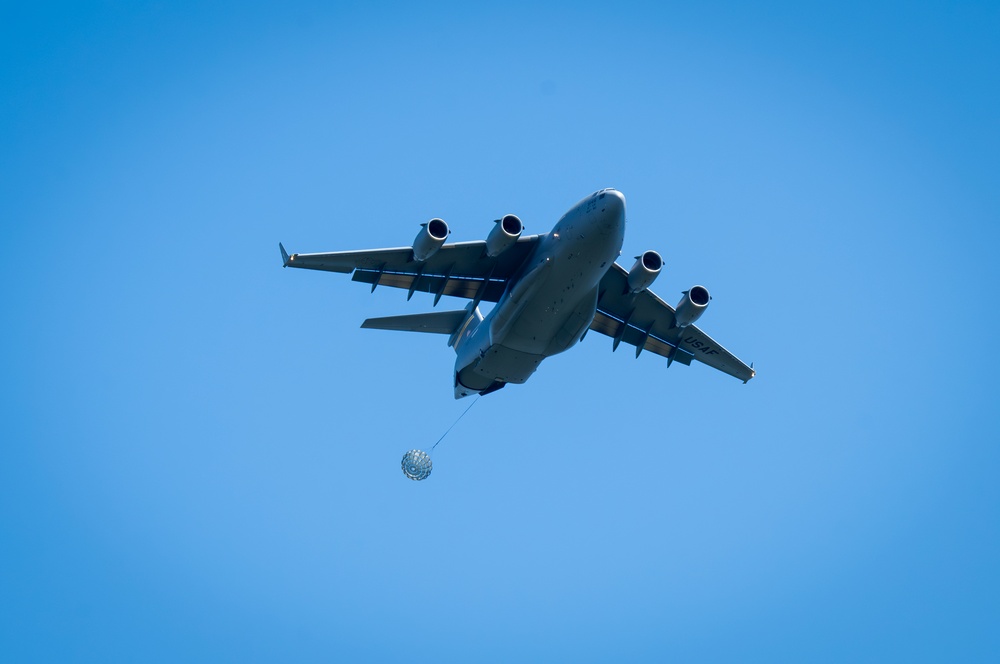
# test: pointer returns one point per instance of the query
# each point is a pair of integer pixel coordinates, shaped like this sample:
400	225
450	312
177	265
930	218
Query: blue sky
200	456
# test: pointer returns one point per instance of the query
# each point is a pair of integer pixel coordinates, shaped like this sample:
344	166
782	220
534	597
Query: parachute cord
456	422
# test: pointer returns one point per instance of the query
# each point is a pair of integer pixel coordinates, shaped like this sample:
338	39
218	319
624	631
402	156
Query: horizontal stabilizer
439	322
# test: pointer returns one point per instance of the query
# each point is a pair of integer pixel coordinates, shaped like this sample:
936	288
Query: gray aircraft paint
549	291
547	308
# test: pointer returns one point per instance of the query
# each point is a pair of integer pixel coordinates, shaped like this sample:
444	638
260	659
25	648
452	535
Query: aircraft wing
461	269
645	321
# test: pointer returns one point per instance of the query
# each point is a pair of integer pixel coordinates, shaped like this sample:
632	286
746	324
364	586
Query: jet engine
644	272
430	238
503	235
691	306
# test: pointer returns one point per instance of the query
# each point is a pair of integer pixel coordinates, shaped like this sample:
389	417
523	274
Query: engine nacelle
430	238
644	272
503	235
692	305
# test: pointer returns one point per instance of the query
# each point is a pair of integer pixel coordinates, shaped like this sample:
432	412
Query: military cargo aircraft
549	290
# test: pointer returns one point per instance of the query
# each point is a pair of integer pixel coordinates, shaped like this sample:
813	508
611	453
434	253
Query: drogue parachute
417	465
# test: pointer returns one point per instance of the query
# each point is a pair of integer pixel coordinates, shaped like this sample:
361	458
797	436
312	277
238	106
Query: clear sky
200	450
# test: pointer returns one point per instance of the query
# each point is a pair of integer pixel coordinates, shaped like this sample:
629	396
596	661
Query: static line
456	422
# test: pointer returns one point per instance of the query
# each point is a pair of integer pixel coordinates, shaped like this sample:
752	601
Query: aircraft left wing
461	269
645	321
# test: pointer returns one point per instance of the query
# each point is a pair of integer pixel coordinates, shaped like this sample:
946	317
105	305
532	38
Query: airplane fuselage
549	304
549	290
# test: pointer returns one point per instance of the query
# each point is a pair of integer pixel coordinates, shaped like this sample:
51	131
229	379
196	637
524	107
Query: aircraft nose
609	222
613	204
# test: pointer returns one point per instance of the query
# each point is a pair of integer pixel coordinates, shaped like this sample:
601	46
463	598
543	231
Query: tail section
453	323
439	322
467	336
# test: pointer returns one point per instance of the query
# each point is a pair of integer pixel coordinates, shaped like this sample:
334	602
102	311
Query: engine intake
430	238
642	275
692	306
503	235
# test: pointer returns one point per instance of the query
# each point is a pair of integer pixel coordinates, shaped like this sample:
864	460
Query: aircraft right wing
461	269
645	321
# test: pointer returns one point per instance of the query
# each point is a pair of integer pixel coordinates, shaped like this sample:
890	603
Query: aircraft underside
548	290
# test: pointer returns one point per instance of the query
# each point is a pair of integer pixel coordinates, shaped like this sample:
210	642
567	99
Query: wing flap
649	325
426	283
461	269
633	336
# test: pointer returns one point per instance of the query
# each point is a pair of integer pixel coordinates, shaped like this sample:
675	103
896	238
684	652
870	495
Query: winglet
284	255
